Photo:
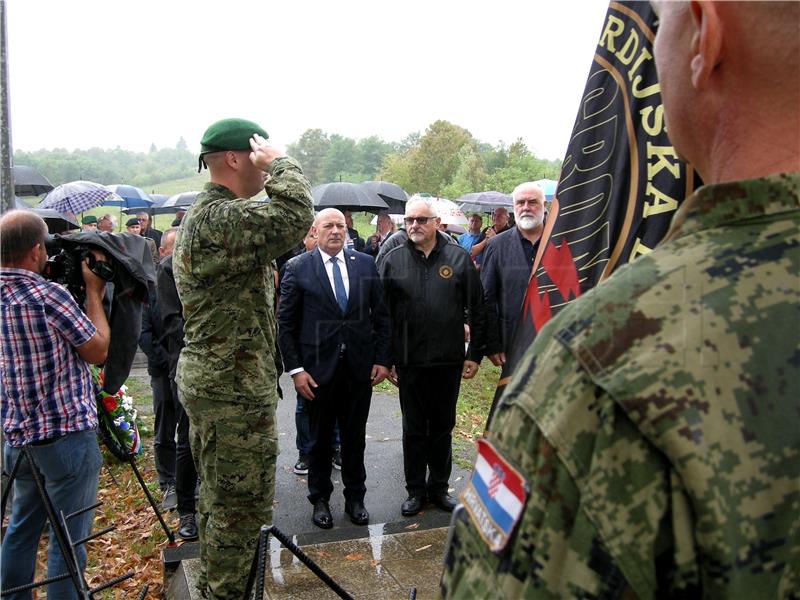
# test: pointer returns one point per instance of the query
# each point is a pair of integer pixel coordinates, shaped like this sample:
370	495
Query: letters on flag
621	180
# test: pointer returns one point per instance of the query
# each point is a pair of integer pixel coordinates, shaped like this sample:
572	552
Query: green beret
88	220
131	222
229	134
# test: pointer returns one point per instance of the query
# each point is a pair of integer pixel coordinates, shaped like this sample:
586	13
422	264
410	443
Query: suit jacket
312	329
505	272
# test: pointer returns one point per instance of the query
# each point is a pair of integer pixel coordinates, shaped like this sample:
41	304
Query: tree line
445	160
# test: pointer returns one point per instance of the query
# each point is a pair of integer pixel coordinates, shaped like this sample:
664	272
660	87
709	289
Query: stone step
387	565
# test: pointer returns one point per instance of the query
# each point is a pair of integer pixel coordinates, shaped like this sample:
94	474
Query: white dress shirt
326	261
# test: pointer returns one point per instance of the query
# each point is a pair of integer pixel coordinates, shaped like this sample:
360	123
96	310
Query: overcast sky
108	73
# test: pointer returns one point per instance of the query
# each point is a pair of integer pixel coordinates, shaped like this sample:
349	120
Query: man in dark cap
133	226
226	376
89	223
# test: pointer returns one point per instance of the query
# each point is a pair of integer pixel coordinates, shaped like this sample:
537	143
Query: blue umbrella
130	196
77	196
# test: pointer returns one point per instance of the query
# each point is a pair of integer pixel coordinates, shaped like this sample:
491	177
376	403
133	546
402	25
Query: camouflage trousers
235	447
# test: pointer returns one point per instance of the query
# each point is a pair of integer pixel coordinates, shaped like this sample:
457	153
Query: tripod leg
167	530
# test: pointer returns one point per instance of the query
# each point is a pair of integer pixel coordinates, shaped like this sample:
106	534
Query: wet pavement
377	567
382	560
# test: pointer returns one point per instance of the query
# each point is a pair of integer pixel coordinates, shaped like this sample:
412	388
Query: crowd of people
644	474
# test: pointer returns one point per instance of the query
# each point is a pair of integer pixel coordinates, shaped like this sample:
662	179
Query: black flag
620	183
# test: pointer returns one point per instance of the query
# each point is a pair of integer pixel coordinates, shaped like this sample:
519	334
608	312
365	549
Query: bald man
334	337
654	422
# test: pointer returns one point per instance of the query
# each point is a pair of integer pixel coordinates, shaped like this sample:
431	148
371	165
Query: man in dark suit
506	268
334	334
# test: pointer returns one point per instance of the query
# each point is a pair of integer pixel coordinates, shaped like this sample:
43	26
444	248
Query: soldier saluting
227	379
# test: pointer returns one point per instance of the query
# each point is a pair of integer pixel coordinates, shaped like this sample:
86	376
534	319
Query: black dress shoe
357	512
187	530
322	514
412	505
444	501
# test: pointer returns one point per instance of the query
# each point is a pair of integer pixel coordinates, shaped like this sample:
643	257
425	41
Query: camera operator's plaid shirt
47	389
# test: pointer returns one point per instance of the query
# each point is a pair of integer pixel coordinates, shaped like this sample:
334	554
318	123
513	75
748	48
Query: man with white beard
506	268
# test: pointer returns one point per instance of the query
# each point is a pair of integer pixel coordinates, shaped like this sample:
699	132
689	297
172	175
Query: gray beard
527	223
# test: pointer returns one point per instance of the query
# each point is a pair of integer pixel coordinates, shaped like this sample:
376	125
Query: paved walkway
382	560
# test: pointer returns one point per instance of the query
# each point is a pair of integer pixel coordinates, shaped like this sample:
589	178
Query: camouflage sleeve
556	551
256	231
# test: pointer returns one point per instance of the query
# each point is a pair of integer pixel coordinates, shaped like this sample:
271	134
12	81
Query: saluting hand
263	153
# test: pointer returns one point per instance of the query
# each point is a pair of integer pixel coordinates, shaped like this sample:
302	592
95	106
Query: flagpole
6	175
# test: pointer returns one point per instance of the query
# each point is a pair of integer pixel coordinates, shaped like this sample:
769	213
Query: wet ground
377	567
383	560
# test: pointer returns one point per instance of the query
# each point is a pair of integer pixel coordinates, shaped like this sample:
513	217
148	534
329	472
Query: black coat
171	314
505	272
429	300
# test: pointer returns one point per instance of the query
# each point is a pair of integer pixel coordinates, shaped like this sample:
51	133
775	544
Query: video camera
64	266
128	266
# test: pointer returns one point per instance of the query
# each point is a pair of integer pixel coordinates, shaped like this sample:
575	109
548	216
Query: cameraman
48	399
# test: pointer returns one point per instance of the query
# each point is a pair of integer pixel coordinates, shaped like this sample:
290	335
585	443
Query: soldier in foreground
648	443
227	379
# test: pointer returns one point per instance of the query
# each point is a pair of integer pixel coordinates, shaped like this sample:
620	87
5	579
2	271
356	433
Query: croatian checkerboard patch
494	496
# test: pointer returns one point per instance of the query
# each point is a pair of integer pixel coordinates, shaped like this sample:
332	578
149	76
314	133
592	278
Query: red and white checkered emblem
497	478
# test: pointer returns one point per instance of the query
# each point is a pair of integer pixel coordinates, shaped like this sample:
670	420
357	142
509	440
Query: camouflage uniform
656	421
226	374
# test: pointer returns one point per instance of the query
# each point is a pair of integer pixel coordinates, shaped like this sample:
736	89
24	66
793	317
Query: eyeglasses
420	220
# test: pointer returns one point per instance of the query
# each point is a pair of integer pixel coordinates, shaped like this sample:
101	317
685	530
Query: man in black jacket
163	401
431	286
172	342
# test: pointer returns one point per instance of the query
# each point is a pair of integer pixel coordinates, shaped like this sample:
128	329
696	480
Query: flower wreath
117	420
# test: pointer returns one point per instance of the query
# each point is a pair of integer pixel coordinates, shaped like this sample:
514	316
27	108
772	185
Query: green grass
194	183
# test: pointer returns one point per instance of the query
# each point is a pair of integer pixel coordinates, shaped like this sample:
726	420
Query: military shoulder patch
445	271
494	497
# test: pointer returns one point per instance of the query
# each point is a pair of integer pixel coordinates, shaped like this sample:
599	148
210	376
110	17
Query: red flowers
110	403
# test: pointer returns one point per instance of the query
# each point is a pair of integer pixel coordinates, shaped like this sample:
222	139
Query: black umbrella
346	196
391	193
56	221
29	182
484	201
180	201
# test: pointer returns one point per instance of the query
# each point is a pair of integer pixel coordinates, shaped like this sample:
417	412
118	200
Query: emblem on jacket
445	271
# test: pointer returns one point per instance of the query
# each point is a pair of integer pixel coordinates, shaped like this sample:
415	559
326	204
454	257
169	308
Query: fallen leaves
354	556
